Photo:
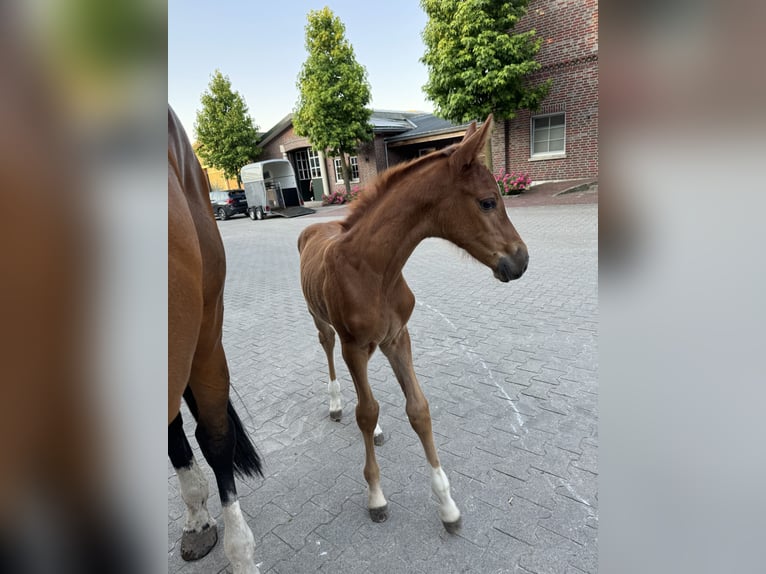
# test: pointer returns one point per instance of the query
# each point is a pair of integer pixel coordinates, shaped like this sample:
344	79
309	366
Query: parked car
228	203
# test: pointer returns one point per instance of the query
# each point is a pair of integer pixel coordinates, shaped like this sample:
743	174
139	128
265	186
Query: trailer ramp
294	211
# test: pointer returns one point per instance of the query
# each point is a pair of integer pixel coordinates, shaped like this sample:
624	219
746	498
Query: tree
333	91
476	66
226	134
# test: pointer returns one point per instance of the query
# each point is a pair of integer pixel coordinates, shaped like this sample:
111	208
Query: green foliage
225	131
333	90
476	65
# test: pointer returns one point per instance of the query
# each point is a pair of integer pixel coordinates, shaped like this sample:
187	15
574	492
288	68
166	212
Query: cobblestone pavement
510	371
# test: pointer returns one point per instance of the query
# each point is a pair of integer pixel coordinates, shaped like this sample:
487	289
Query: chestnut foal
351	275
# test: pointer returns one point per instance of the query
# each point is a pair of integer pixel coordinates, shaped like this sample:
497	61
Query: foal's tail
246	460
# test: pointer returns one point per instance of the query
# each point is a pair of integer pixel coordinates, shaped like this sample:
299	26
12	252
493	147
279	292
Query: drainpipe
323	172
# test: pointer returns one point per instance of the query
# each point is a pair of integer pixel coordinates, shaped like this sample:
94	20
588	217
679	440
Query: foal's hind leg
200	533
327	340
399	354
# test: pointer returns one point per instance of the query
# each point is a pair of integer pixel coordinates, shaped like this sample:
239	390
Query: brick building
560	140
398	136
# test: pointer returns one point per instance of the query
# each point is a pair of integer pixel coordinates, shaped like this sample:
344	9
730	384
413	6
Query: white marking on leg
378	431
375	498
238	540
448	510
194	492
336	404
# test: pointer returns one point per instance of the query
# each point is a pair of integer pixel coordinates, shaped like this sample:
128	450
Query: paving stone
588	460
570	520
551	554
297	528
270	550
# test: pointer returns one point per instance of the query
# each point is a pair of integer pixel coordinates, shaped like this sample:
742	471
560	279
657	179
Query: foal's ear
469	132
472	145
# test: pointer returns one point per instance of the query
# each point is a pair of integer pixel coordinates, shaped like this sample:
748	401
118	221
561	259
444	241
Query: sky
260	47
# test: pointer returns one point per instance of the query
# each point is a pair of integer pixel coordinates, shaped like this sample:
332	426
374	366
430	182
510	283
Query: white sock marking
375	498
336	403
194	492
448	510
378	431
238	541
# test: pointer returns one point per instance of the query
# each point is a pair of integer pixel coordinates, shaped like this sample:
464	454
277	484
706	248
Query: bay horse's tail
246	459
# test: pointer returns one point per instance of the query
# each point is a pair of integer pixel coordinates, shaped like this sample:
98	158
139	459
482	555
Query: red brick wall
569	56
288	139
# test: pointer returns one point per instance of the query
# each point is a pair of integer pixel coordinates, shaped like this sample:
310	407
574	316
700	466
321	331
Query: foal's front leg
367	410
399	353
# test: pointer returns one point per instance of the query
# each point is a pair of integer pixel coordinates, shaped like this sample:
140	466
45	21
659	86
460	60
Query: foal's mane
384	181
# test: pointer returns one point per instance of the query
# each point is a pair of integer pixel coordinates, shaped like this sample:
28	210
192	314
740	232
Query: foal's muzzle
509	268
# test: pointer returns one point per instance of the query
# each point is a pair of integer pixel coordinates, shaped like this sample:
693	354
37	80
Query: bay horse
197	368
351	276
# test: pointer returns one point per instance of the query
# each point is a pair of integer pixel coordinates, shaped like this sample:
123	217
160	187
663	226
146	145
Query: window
353	165
302	161
314	163
548	135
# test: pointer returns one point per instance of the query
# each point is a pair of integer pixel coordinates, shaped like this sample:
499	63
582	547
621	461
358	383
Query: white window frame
549	154
353	164
314	163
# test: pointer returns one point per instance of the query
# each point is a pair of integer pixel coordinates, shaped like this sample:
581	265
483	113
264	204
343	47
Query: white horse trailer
271	189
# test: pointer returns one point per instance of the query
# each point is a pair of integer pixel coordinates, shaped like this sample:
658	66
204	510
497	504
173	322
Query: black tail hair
246	459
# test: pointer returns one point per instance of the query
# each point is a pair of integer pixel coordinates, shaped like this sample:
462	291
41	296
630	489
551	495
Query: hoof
379	514
335	415
196	545
453	527
378	439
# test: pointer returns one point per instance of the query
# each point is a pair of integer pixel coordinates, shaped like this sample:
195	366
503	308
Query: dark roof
403	125
428	124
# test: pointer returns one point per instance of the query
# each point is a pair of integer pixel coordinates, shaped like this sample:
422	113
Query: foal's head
471	211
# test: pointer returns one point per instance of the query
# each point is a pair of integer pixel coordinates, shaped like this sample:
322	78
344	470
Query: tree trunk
346	172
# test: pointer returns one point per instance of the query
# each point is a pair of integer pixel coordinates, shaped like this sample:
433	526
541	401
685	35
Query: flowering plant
512	183
339	196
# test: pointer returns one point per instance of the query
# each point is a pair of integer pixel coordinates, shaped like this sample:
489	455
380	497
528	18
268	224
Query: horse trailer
271	189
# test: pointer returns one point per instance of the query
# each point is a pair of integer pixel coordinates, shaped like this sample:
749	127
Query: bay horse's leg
399	354
327	340
200	532
367	410
216	437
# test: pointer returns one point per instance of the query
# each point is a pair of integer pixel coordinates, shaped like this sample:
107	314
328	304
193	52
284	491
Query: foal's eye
487	204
